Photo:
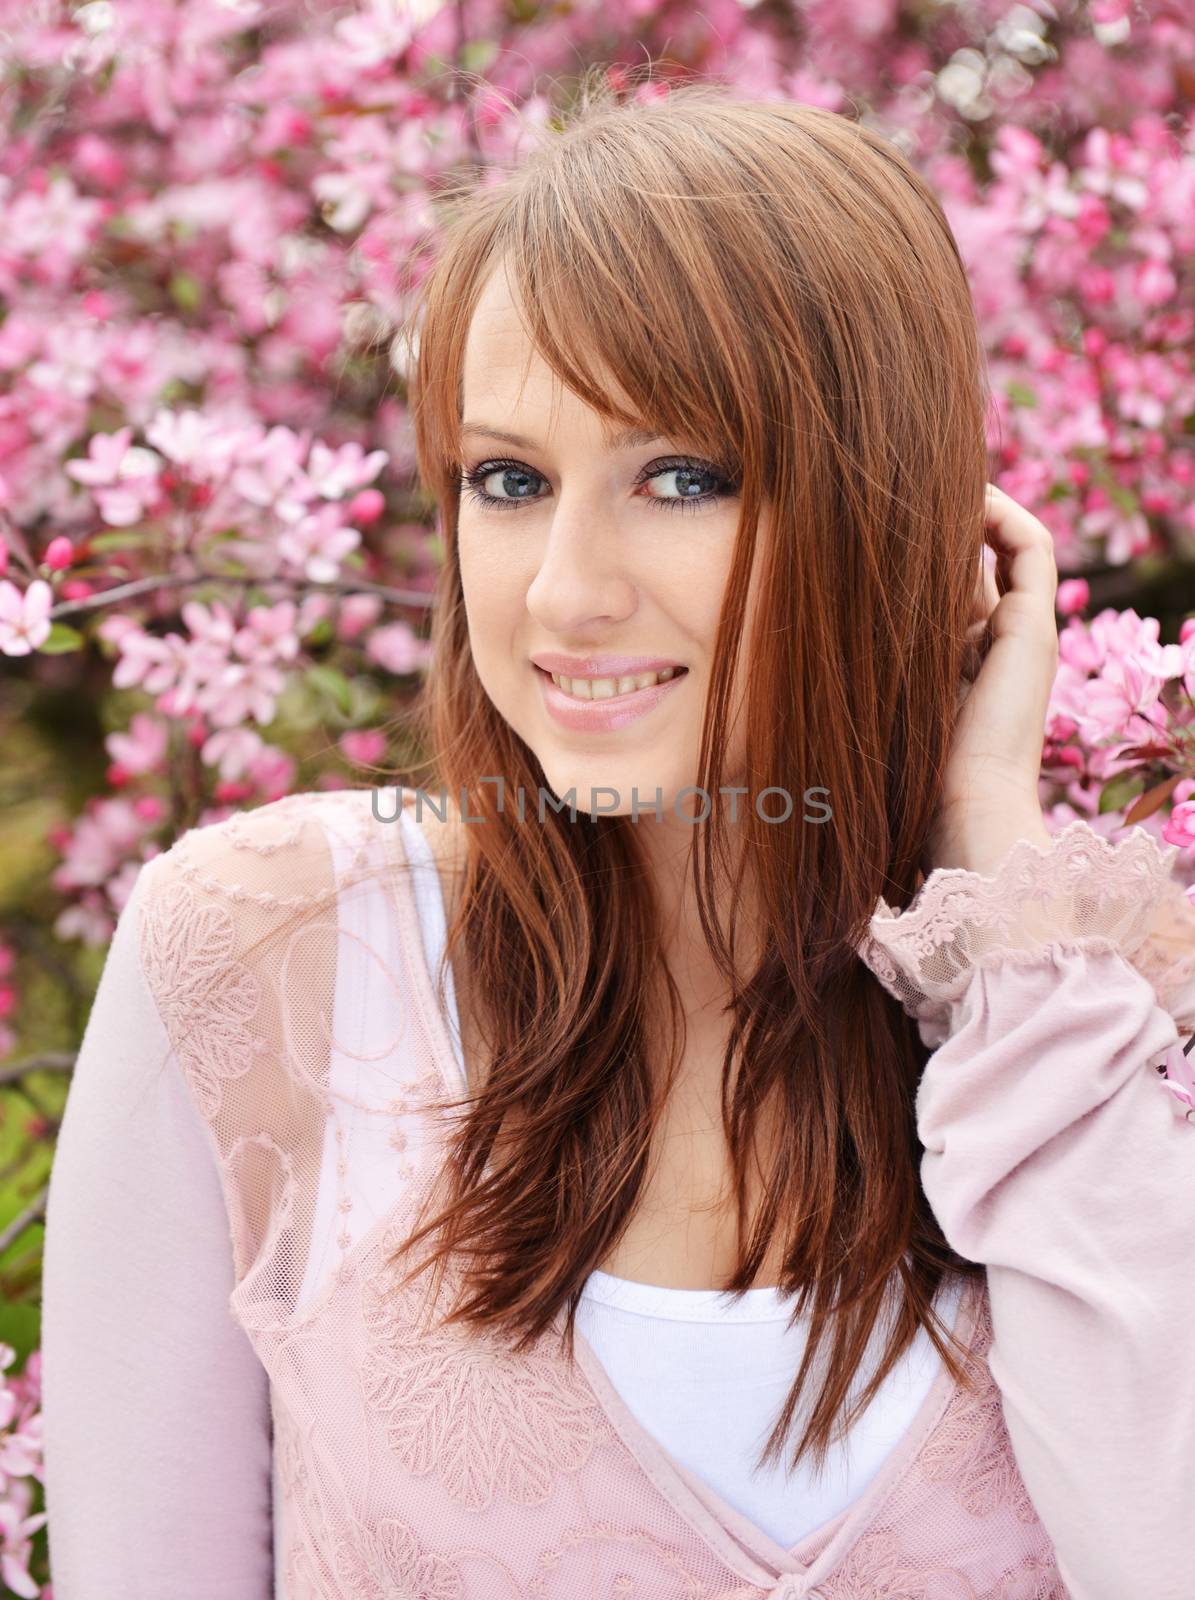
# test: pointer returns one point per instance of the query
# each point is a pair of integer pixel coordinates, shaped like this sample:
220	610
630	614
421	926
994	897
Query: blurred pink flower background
214	560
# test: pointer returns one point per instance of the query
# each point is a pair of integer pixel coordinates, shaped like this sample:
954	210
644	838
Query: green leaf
477	54
1020	394
334	684
320	634
120	539
366	703
1123	498
1118	791
62	638
186	291
20	1326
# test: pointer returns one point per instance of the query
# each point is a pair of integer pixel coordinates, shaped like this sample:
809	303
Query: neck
669	851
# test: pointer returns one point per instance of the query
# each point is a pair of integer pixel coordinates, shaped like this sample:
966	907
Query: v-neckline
734	1537
746	1549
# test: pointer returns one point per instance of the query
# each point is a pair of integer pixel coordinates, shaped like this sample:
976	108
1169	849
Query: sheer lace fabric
429	1464
1083	890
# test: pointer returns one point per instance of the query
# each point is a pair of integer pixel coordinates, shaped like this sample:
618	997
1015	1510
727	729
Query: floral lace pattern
206	997
1082	890
878	1568
878	1565
594	1560
462	1406
970	1450
1167	958
387	1562
419	1463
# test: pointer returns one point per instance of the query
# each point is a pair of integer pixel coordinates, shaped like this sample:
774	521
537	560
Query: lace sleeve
239	947
1083	891
155	1407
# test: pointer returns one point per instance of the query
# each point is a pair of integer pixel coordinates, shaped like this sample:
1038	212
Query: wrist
981	848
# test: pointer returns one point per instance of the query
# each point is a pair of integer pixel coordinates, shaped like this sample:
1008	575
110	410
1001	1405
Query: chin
632	781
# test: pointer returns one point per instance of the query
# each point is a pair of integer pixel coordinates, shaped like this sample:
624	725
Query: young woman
530	1190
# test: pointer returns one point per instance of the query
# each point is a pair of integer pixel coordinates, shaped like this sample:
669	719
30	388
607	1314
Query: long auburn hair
823	342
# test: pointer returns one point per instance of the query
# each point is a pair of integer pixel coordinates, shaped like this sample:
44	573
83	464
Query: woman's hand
990	785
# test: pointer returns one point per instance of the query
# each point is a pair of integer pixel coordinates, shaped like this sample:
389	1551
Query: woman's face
601	560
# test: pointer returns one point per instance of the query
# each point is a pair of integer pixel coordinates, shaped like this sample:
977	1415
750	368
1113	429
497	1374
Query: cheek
692	588
493	589
485	576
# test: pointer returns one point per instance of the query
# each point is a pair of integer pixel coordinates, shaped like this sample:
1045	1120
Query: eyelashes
471	481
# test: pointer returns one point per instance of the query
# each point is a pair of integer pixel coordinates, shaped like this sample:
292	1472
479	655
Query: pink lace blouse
223	1420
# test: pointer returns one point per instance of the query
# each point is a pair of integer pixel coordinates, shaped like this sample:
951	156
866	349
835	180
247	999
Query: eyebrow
628	439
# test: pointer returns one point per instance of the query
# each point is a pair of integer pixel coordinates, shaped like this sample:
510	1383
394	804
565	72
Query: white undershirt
705	1377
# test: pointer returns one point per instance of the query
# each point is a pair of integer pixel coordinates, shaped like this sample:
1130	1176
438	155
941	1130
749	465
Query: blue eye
514	481
516	477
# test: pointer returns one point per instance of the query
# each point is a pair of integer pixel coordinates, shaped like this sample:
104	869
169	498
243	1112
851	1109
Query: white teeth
606	688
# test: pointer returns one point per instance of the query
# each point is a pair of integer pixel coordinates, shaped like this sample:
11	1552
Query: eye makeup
472	480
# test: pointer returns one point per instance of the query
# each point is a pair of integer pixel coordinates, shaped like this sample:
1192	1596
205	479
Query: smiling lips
604	704
607	688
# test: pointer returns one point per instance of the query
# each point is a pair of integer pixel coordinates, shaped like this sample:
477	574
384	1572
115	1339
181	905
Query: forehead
502	371
497	349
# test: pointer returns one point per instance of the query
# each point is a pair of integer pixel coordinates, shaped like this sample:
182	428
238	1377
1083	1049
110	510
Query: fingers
1025	565
986	593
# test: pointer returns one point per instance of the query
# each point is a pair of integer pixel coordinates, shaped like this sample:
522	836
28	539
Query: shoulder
442	829
437	818
234	913
279	857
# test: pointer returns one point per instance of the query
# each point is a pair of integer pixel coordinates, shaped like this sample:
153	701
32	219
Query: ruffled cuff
1082	890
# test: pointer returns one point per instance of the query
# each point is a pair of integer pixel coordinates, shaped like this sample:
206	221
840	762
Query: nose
581	579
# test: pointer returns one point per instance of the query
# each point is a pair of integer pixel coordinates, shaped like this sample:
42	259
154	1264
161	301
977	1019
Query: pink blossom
269	633
356	613
363	747
1179	828
313	608
366	507
143	748
1073	595
380	31
333	473
24	618
105	452
88	919
1154	282
202	445
17	1528
241	690
272	771
232	750
316	545
396	648
213	627
102	838
59	554
268	473
153	663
